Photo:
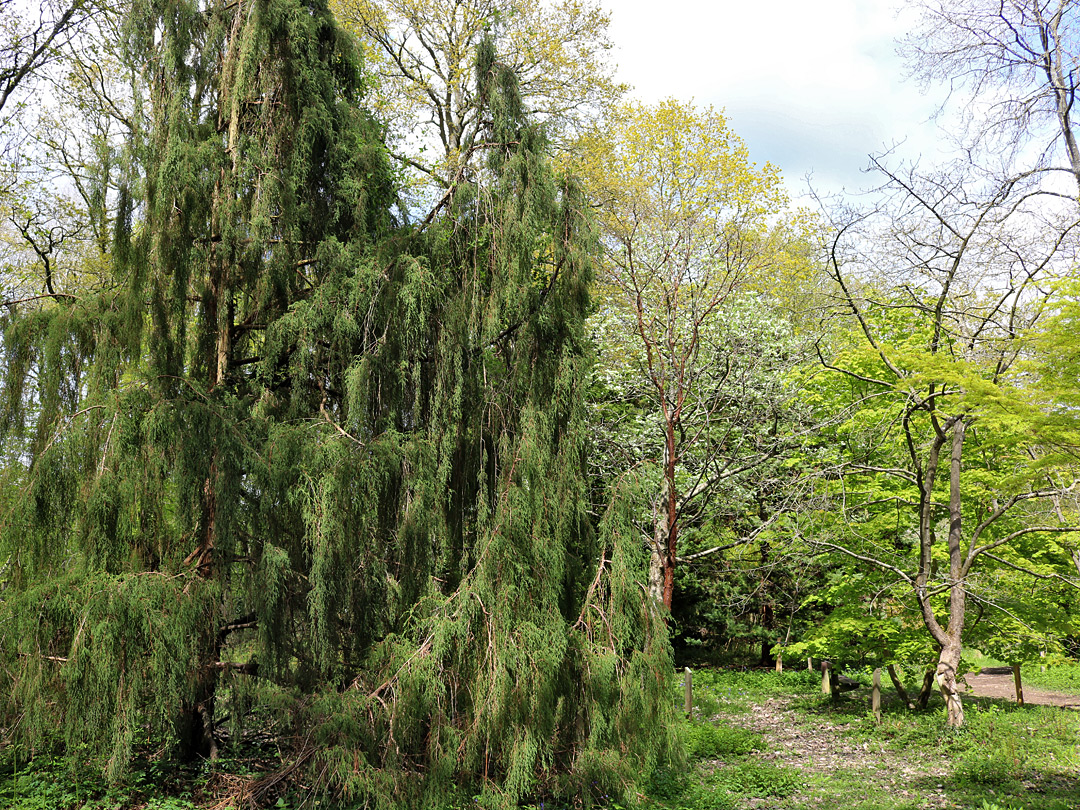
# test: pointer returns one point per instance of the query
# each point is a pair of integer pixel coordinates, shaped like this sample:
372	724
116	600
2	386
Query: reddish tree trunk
671	514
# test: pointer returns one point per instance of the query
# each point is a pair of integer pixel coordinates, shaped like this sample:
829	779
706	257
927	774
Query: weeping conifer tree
318	464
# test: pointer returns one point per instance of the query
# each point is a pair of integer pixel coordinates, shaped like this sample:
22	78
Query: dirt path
998	683
820	748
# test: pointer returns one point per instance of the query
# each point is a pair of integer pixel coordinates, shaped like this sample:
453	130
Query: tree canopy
690	233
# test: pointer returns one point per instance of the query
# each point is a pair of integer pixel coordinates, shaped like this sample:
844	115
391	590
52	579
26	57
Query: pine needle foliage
306	462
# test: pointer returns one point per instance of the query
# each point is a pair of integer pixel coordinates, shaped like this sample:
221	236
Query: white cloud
811	86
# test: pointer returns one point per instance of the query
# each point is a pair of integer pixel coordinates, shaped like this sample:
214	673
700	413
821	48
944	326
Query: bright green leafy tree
946	469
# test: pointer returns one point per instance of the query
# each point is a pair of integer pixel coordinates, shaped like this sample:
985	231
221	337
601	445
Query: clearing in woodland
762	740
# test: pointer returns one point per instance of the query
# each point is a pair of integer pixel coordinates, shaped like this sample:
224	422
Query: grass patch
719	741
1006	757
996	768
726	787
757	780
1058	677
733	691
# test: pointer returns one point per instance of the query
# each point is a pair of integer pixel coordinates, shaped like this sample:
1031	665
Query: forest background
385	387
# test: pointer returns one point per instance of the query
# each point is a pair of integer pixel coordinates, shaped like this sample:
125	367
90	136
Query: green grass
1007	757
1062	677
717	740
730	691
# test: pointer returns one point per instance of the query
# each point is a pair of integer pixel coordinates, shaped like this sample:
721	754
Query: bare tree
30	41
65	153
1019	60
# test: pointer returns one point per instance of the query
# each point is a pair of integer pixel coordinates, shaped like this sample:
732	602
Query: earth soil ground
998	683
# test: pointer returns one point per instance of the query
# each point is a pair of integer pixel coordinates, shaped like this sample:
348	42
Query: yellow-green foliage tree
1055	360
691	228
423	52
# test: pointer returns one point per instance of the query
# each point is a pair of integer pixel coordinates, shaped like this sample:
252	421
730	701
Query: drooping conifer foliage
306	464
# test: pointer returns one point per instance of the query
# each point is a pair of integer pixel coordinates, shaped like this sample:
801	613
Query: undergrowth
1006	757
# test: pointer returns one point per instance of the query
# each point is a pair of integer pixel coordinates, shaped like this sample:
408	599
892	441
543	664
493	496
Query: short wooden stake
826	681
809	664
779	663
875	696
688	684
1019	686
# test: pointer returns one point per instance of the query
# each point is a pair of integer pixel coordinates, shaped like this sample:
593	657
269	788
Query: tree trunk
768	619
656	573
926	690
947	668
767	625
1062	87
671	517
665	534
658	560
949	659
195	734
899	687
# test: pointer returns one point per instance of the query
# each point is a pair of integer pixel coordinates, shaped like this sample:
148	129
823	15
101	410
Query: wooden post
826	681
688	684
779	663
875	697
1019	686
809	664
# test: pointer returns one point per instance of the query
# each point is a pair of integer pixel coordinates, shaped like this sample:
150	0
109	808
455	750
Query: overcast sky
812	86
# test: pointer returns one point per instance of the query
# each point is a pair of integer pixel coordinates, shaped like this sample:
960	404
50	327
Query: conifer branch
592	588
452	185
108	441
68	422
423	648
331	422
243	623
